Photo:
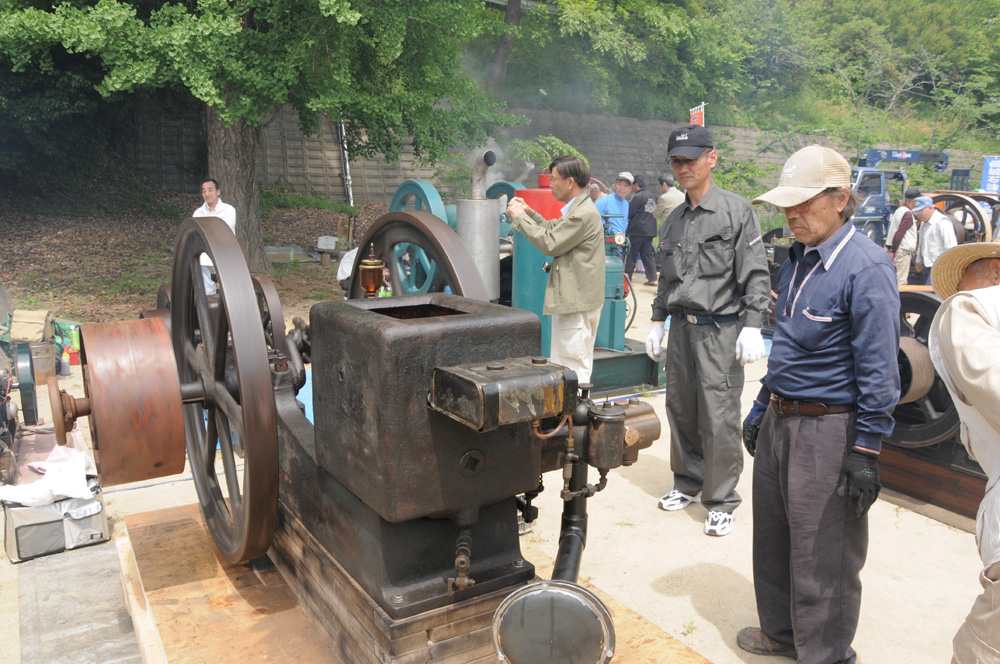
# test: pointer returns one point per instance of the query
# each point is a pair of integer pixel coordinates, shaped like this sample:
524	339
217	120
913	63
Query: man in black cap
901	240
715	287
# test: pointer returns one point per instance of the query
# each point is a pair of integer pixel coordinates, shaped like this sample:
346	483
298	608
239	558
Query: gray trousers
808	549
704	384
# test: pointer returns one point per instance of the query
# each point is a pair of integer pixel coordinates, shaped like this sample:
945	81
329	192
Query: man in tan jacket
574	294
962	343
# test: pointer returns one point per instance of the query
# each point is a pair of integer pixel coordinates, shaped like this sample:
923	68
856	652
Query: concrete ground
919	583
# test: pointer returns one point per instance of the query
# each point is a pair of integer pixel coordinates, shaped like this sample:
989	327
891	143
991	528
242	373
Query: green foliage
744	176
282	270
136	278
917	73
389	70
454	170
274	199
541	150
642	58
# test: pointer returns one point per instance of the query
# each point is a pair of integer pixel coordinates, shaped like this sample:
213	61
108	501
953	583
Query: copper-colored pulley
133	399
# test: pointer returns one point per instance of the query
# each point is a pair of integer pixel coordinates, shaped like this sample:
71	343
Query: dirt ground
106	267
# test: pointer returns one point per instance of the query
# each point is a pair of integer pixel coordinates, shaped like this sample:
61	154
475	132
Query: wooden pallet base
204	612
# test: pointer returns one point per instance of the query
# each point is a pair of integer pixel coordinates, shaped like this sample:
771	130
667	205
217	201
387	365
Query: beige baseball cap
807	173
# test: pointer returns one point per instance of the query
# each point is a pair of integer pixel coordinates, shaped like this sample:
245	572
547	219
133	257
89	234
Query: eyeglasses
555	178
682	161
803	205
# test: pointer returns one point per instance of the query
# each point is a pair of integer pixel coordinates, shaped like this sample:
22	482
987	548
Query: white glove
654	340
749	345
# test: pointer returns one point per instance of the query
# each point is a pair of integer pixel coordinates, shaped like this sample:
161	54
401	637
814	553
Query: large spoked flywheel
930	417
964	207
234	424
423	255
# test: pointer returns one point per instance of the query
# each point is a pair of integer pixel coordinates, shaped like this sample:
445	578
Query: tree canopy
927	71
388	69
814	65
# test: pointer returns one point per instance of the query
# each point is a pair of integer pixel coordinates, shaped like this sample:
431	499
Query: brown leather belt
789	407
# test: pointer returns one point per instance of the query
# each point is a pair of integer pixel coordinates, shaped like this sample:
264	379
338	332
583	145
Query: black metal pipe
573	532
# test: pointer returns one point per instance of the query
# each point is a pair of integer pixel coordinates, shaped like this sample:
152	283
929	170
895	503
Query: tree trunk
232	160
498	70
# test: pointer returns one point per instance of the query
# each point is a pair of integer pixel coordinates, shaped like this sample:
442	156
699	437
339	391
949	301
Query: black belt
701	319
790	407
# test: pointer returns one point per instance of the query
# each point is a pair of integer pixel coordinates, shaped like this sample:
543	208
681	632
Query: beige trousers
978	639
902	262
573	341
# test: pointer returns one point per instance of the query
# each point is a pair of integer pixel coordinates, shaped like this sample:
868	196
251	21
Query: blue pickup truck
881	190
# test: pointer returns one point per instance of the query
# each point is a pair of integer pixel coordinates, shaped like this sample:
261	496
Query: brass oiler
371	273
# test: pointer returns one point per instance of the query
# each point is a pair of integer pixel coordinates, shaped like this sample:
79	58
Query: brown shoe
652	283
753	639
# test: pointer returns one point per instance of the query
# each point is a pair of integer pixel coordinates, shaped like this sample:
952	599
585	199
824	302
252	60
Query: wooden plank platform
204	612
938	485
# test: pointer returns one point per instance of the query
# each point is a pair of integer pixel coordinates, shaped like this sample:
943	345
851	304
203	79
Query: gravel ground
105	267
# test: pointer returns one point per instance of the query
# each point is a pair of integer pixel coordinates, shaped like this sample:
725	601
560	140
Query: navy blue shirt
837	331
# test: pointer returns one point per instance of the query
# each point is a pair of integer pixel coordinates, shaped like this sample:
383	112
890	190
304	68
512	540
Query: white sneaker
719	523
675	500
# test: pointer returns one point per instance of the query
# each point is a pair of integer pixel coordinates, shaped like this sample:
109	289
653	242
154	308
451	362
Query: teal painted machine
619	364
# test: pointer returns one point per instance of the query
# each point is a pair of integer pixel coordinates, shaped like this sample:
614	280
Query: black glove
751	426
859	481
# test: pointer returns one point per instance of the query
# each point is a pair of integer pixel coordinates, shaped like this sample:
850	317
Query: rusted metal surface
131	384
488	395
372	364
442	260
642	428
225	350
605	435
162	314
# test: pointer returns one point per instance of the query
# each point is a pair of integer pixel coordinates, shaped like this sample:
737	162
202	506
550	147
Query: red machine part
541	199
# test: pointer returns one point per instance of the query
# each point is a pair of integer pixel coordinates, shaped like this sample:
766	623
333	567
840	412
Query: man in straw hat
827	401
963	341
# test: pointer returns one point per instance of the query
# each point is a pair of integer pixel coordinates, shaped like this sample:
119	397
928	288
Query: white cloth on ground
65	477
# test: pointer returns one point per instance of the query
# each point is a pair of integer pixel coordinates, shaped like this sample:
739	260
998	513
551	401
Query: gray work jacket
576	243
712	260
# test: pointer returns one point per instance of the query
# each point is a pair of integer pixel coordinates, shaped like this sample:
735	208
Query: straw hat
949	268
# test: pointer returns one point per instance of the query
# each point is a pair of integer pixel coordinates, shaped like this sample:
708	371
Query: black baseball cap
689	142
911	193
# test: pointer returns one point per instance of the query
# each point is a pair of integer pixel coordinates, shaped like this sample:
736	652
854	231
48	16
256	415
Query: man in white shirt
213	207
937	234
962	342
